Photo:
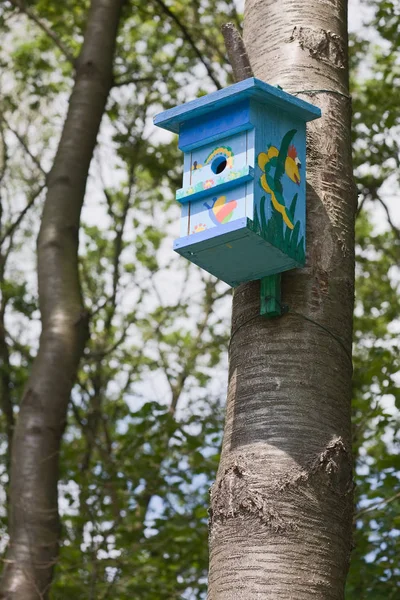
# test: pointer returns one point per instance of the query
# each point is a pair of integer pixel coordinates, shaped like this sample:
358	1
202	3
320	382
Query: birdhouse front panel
215	191
243	196
218	161
212	167
215	211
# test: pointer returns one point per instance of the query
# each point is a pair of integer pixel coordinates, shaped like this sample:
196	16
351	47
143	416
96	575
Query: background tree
36	437
375	53
133	217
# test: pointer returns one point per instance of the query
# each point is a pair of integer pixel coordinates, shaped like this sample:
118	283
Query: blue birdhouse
244	184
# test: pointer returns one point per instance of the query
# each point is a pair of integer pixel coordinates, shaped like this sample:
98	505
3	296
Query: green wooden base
270	296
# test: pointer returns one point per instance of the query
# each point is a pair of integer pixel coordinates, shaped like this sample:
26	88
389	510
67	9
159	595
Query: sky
357	13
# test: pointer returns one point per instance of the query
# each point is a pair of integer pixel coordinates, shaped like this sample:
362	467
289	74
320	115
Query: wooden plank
234	253
215	126
270	296
219	184
173	118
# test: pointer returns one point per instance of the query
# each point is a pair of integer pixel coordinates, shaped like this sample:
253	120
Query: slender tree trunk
34	523
281	507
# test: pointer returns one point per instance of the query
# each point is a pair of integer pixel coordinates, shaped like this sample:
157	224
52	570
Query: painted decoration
208	184
220	158
243	196
279	168
221	211
200	227
216	211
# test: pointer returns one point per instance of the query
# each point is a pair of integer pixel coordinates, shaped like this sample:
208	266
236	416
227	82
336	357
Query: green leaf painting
280	229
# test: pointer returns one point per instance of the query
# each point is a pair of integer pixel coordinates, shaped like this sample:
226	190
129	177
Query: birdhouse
244	184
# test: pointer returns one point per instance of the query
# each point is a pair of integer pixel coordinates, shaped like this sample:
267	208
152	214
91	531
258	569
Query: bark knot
235	496
322	45
332	468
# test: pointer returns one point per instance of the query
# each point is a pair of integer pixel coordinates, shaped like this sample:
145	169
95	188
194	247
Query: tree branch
34	526
34	159
11	229
361	206
47	30
237	53
394	228
187	36
135	80
376	506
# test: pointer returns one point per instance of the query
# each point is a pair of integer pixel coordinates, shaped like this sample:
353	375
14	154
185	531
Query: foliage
144	426
374	569
143	434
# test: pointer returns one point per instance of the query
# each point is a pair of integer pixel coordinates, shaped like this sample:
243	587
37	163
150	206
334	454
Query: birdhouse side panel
184	220
280	180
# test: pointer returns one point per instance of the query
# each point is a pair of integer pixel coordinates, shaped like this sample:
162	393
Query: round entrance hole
218	164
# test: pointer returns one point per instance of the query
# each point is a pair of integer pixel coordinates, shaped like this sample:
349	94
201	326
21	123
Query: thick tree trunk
281	507
34	522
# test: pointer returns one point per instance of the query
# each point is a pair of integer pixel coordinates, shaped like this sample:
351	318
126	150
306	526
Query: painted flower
199	227
233	175
208	183
229	162
189	191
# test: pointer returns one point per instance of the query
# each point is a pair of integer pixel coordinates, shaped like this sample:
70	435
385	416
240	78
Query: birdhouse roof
251	88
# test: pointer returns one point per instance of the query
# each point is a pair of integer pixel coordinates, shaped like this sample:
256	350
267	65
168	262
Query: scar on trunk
236	493
322	45
333	468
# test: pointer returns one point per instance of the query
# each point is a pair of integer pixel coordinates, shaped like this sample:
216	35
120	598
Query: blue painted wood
234	254
212	212
214	126
244	186
187	165
285	230
206	239
250	159
253	88
232	149
218	187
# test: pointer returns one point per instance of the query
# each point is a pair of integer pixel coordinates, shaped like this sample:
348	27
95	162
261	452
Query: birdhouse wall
244	188
219	178
215	125
280	182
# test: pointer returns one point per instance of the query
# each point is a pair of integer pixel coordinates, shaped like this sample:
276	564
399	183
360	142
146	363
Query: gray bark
34	522
281	507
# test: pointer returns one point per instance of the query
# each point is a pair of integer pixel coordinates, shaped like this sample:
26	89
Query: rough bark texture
34	522
281	507
237	53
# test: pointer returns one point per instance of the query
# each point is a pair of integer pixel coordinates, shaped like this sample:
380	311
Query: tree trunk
34	523
281	507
